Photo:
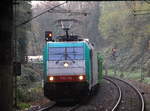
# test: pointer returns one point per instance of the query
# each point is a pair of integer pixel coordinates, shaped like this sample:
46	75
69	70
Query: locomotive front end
65	73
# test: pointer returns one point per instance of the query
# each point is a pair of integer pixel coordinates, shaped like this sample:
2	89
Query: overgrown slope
126	27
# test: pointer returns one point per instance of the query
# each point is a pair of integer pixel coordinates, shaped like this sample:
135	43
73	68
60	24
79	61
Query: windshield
65	53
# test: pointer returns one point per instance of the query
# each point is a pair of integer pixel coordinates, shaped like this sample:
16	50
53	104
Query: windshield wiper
71	58
59	59
65	58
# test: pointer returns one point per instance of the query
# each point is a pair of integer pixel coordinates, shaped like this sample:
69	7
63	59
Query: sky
34	3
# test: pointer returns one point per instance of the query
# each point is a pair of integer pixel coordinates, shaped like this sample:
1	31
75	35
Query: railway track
48	107
43	107
119	93
123	97
55	107
131	98
63	108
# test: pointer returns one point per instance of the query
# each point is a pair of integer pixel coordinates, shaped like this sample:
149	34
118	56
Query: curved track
55	107
131	99
119	93
46	108
43	107
124	97
63	108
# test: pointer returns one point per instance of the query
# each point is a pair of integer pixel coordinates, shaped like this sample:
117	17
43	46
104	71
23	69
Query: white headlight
51	78
66	64
81	77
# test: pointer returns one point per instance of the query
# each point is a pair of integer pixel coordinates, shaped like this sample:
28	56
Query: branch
41	14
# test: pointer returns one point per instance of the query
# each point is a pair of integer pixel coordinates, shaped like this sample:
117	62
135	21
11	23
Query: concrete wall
6	76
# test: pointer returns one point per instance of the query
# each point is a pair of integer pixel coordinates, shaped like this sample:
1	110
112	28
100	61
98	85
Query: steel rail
47	107
42	108
119	90
74	107
136	90
78	105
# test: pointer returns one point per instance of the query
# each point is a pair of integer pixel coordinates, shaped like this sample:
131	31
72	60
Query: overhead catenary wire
41	14
138	12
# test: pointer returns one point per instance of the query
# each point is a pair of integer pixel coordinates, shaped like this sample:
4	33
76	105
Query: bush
23	105
29	87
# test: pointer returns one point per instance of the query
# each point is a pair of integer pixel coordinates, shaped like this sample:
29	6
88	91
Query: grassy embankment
130	75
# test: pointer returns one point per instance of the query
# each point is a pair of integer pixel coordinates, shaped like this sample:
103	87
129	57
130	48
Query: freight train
72	67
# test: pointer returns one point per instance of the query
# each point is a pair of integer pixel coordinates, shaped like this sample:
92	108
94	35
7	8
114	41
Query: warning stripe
67	78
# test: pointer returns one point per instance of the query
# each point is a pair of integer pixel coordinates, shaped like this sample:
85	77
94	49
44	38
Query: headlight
51	78
81	77
66	64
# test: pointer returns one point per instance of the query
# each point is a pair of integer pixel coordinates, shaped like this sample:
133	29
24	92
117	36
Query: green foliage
22	12
23	105
128	33
29	86
147	80
30	94
134	75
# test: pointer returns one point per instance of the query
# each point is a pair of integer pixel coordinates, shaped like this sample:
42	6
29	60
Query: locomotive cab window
65	53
